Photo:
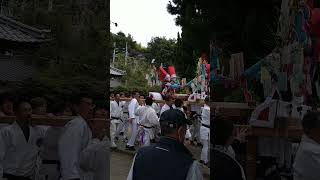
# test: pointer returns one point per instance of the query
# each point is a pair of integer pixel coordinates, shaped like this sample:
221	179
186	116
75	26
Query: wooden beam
200	102
59	121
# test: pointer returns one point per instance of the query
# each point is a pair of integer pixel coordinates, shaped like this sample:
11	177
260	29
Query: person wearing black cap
169	157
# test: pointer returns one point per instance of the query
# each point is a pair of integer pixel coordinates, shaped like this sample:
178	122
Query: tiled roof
15	70
12	30
116	72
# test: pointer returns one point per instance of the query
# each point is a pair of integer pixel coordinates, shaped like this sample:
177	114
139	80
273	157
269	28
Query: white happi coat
205	115
307	161
164	108
18	156
49	151
149	118
116	110
73	140
156	107
132	108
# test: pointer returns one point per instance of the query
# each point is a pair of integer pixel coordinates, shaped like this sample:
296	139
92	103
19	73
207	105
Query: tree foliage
247	26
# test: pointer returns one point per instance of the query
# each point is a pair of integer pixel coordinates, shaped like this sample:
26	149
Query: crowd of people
226	165
139	120
78	150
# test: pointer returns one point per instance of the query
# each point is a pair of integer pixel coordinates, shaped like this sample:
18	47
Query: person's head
122	95
223	131
178	103
84	106
135	95
23	111
206	100
117	97
6	104
62	109
149	101
100	112
111	95
173	124
311	125
168	100
39	106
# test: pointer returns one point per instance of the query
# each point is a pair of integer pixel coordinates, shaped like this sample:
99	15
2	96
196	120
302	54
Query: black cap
174	118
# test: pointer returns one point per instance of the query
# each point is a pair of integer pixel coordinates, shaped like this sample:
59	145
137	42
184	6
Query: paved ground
121	161
120	165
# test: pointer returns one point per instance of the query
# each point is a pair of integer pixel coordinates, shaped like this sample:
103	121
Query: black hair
178	103
6	97
311	120
206	100
76	100
167	97
59	107
149	101
38	102
222	130
18	102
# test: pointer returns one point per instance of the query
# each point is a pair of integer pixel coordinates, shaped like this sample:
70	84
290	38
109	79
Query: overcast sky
143	19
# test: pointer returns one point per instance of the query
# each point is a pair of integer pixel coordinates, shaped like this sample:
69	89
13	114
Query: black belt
146	127
207	126
56	162
116	118
13	177
51	162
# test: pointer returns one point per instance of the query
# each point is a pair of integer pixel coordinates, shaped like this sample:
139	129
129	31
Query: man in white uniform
6	109
19	145
133	120
116	115
123	126
205	131
50	166
74	139
167	105
307	161
148	121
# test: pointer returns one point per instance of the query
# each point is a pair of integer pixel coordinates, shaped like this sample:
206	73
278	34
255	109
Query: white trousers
134	133
205	151
196	130
114	126
123	126
49	172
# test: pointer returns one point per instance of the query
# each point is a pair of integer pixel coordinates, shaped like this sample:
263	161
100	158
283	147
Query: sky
143	19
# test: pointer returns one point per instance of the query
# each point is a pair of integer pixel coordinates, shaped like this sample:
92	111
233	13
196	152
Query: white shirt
49	149
116	109
164	108
133	105
205	115
149	117
75	138
156	107
307	161
194	172
18	156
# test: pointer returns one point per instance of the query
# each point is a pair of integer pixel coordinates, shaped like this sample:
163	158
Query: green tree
247	26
